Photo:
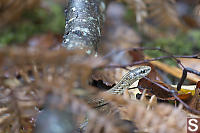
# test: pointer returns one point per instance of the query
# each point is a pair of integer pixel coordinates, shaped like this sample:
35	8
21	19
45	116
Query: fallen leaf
186	89
110	77
185	97
174	71
136	55
191	63
190	21
153	89
139	56
195	101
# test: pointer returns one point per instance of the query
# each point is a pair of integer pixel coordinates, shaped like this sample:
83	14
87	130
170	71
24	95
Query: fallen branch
84	20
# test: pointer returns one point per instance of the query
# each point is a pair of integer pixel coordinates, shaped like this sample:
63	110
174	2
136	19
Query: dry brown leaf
190	21
139	56
185	97
153	89
195	101
191	63
186	89
174	71
111	76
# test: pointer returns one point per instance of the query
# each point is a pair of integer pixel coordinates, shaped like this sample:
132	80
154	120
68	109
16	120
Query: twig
184	75
186	106
185	70
147	61
174	94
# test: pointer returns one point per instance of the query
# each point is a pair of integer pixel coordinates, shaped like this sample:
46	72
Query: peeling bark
84	20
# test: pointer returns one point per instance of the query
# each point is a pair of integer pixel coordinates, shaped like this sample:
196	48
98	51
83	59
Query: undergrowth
36	21
45	89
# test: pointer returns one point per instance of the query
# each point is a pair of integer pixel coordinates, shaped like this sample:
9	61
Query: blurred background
172	25
22	20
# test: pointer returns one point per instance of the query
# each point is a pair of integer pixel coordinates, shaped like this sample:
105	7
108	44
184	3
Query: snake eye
143	71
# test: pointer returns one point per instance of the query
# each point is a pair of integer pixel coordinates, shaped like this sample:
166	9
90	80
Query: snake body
129	78
126	81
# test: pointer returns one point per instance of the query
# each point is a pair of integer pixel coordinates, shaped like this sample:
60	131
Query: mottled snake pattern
126	81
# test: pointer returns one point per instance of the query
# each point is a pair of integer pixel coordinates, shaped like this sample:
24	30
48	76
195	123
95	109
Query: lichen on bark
84	20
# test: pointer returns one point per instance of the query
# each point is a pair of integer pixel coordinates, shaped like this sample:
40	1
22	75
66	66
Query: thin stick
174	94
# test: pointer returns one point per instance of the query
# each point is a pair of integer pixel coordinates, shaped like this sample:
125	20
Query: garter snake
126	81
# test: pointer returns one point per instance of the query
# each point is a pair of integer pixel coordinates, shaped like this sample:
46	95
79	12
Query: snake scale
126	81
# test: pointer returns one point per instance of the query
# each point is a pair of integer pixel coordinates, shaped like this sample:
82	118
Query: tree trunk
84	20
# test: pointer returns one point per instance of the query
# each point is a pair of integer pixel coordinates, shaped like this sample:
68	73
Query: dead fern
28	77
161	118
156	16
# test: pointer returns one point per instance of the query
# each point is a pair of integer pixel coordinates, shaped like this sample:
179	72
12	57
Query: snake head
140	72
